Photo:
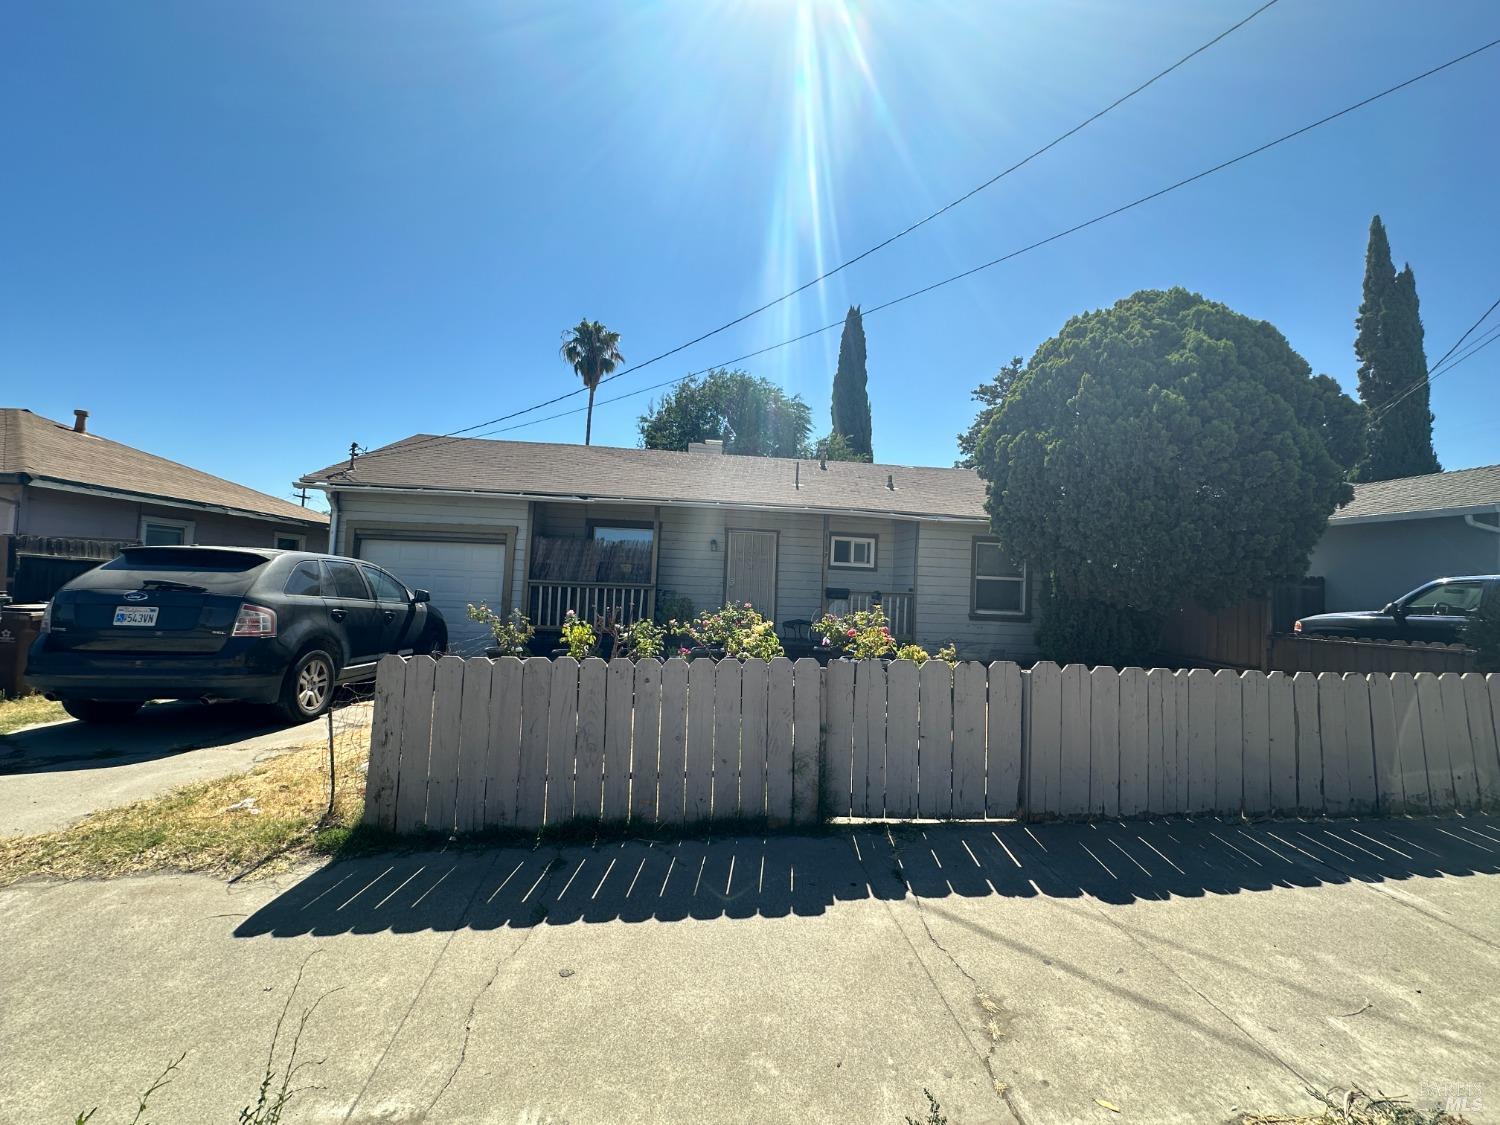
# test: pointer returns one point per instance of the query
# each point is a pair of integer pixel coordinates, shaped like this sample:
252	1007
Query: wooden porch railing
897	607
549	602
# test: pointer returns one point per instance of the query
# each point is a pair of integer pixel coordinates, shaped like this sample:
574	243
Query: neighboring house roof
48	452
1461	492
551	471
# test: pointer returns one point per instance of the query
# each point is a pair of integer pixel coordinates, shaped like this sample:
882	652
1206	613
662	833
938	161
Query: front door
750	570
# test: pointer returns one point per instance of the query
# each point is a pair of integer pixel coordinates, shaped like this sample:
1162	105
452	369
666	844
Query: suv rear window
192	558
306	580
342	580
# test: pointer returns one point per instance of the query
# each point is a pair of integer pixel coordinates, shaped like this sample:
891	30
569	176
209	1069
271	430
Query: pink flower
683	651
853	633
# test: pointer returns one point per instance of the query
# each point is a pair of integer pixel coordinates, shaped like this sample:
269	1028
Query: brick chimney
80	421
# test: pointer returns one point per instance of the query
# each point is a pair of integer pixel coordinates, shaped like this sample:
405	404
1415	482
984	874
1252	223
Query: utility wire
1438	369
1064	233
1212	170
822	277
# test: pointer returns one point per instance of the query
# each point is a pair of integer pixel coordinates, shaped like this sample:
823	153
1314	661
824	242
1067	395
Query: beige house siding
944	575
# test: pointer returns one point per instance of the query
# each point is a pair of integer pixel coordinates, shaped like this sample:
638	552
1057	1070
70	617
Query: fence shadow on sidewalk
779	876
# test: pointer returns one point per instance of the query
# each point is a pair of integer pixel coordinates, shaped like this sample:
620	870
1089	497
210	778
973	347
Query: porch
623	561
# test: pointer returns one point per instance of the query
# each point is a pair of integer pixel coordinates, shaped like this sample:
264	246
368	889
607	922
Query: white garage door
455	573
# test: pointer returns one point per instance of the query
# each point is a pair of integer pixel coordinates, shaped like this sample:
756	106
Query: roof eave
580	498
1421	514
313	519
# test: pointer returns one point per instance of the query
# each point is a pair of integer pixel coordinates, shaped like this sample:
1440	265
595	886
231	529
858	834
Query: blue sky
244	236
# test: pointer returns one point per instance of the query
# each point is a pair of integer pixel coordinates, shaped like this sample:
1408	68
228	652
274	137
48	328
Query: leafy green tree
989	395
1392	369
851	393
750	415
1162	450
593	351
1340	420
836	447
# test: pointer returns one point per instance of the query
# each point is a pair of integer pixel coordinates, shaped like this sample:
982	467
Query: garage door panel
456	573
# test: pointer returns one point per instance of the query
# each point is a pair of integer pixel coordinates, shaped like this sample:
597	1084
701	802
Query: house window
287	542
851	552
999	588
621	551
159	532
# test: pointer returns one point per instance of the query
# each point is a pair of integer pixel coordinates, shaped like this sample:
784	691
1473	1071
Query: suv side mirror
420	596
1394	610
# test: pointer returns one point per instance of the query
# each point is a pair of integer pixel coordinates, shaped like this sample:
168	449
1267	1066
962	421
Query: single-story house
1397	534
547	528
70	500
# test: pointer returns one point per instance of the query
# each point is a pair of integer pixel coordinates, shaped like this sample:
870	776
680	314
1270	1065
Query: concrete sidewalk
1180	971
58	773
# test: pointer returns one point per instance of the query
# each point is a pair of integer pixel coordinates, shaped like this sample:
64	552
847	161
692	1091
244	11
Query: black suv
1437	612
279	627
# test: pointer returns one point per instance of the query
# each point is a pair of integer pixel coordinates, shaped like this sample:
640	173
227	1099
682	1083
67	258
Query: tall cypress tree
851	396
1391	363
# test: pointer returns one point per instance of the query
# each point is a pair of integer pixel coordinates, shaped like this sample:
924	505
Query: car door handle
390	615
338	614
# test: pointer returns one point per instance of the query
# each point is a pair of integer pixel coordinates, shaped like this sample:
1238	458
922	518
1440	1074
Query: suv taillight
46	625
255	621
1297	626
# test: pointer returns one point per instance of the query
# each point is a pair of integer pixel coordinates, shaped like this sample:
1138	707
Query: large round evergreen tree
1163	450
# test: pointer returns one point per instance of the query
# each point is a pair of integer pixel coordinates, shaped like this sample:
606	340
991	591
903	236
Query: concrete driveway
1181	972
52	775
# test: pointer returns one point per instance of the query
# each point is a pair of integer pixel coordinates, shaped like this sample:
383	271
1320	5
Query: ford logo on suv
137	596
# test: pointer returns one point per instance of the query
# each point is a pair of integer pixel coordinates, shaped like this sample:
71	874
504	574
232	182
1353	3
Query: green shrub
578	636
915	653
863	634
672	607
644	640
739	630
512	634
1083	631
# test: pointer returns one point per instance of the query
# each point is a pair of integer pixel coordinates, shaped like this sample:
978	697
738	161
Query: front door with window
750	570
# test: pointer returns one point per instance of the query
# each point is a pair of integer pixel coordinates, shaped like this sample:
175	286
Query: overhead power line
1074	229
1437	369
881	245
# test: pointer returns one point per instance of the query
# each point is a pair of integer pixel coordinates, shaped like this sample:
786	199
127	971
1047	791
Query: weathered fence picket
470	745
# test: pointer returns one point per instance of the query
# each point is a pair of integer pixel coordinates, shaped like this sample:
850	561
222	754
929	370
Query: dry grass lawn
256	822
1355	1107
27	711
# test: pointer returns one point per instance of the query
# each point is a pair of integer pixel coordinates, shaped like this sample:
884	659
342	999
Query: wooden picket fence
467	745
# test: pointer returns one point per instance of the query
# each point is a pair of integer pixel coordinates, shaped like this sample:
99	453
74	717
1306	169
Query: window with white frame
157	531
851	552
999	588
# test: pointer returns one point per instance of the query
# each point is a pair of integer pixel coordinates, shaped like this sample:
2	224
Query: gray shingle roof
42	448
606	472
1460	491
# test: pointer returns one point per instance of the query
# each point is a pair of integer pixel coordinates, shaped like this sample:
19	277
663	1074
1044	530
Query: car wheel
308	689
101	710
434	642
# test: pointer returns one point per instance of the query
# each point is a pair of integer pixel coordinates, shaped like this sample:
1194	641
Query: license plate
131	615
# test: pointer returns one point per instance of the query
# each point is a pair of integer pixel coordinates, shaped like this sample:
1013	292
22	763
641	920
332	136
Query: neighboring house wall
1365	565
433	517
944	579
47	511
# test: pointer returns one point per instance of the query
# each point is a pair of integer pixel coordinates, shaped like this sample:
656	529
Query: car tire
102	710
434	642
308	688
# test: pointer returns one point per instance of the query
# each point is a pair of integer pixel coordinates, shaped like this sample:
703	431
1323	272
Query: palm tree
593	351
